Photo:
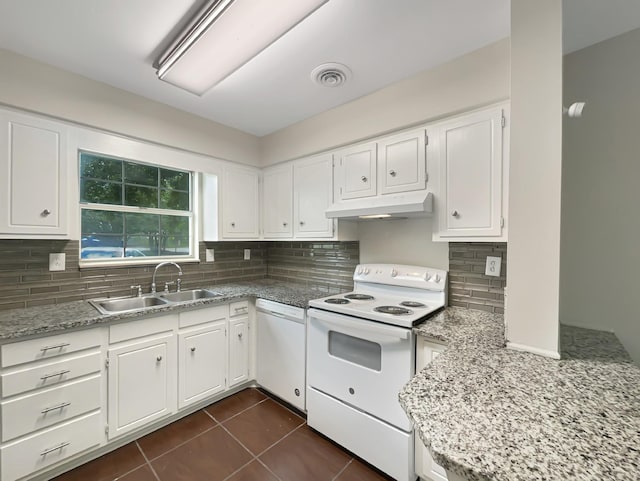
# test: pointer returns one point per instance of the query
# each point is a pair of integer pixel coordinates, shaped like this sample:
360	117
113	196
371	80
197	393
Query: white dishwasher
281	357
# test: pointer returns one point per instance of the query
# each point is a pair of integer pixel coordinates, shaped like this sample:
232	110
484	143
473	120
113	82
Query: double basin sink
130	304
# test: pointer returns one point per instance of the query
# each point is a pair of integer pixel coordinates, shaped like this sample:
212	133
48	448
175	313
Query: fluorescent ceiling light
225	36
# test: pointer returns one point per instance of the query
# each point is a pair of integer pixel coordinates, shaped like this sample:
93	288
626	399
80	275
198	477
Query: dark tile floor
245	437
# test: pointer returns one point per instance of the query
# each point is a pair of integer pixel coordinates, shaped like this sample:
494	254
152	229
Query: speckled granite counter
489	413
17	323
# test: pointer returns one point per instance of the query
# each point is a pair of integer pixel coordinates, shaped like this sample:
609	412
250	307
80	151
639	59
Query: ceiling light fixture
226	35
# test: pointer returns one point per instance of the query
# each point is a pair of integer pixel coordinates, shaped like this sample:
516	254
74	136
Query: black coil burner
395	310
337	300
412	304
359	297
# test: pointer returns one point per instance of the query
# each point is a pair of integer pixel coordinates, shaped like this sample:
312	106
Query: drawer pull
238	309
57	346
55	374
55	408
159	358
193	349
57	448
240	335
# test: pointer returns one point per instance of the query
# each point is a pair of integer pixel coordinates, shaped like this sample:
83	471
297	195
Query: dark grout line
183	442
236	414
342	470
153	471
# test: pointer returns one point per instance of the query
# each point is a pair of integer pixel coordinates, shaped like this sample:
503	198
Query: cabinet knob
239	335
455	213
193	349
45	213
301	222
392	173
363	178
284	224
233	224
159	358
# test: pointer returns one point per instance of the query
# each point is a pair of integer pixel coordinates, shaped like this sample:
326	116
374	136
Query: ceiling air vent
331	74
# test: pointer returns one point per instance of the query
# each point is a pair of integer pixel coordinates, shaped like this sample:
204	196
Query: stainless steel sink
127	304
191	295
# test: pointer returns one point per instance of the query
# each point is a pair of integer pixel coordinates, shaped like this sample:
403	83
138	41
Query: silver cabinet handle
392	173
193	349
455	213
45	213
57	346
239	335
239	309
363	178
55	408
57	448
159	358
55	374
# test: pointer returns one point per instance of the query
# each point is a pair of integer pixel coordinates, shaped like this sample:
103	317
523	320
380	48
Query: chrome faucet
153	281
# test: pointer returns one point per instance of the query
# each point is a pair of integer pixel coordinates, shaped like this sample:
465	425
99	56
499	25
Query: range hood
406	204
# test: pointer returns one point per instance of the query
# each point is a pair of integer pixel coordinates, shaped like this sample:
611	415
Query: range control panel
401	275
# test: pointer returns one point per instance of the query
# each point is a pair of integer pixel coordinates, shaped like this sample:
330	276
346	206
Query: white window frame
149	260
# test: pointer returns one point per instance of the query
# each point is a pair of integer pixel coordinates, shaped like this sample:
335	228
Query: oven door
360	362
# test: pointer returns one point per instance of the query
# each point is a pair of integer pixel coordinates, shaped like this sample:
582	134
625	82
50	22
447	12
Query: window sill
134	262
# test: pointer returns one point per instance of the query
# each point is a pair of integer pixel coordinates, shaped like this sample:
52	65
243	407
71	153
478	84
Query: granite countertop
18	323
489	413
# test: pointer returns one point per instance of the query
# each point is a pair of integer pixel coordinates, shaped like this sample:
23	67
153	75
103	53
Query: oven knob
359	270
394	273
437	278
366	271
352	391
427	276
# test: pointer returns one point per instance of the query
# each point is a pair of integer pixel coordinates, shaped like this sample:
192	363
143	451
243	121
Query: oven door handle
366	327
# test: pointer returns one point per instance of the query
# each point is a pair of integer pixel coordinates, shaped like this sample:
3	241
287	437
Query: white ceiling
382	41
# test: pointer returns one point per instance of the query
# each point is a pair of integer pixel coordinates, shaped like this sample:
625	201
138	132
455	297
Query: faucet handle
139	288
178	284
166	286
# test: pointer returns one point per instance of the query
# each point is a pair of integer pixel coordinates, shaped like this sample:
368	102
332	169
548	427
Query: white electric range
361	351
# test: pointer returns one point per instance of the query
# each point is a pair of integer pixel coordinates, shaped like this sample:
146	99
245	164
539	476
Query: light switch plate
57	261
247	254
493	266
209	255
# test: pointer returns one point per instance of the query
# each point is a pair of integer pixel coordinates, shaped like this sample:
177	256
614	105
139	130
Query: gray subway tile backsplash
26	280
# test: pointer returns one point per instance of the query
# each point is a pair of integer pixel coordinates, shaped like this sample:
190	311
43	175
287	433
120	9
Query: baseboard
533	350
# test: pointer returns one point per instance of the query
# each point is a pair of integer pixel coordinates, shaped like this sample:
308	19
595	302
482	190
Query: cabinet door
425	466
32	176
141	383
202	363
277	203
402	161
238	350
471	163
240	203
355	172
313	194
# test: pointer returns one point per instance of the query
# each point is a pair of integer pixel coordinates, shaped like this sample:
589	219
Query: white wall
402	241
535	176
35	86
600	262
476	79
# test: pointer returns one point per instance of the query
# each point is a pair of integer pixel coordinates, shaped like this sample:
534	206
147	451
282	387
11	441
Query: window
133	210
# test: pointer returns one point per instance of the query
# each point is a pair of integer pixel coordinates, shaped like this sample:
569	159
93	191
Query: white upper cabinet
277	203
240	203
32	176
472	174
356	171
312	195
402	162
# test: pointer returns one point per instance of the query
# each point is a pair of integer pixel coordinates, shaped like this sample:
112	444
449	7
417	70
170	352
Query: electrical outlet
493	266
209	255
247	254
57	261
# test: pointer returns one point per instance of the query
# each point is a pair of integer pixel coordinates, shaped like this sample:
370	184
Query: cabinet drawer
49	447
144	327
48	374
200	316
48	347
238	308
47	407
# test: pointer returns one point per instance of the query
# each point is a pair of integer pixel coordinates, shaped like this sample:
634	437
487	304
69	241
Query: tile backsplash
25	279
468	285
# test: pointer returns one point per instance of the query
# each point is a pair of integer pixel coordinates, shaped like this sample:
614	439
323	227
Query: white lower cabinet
202	362
426	467
238	343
